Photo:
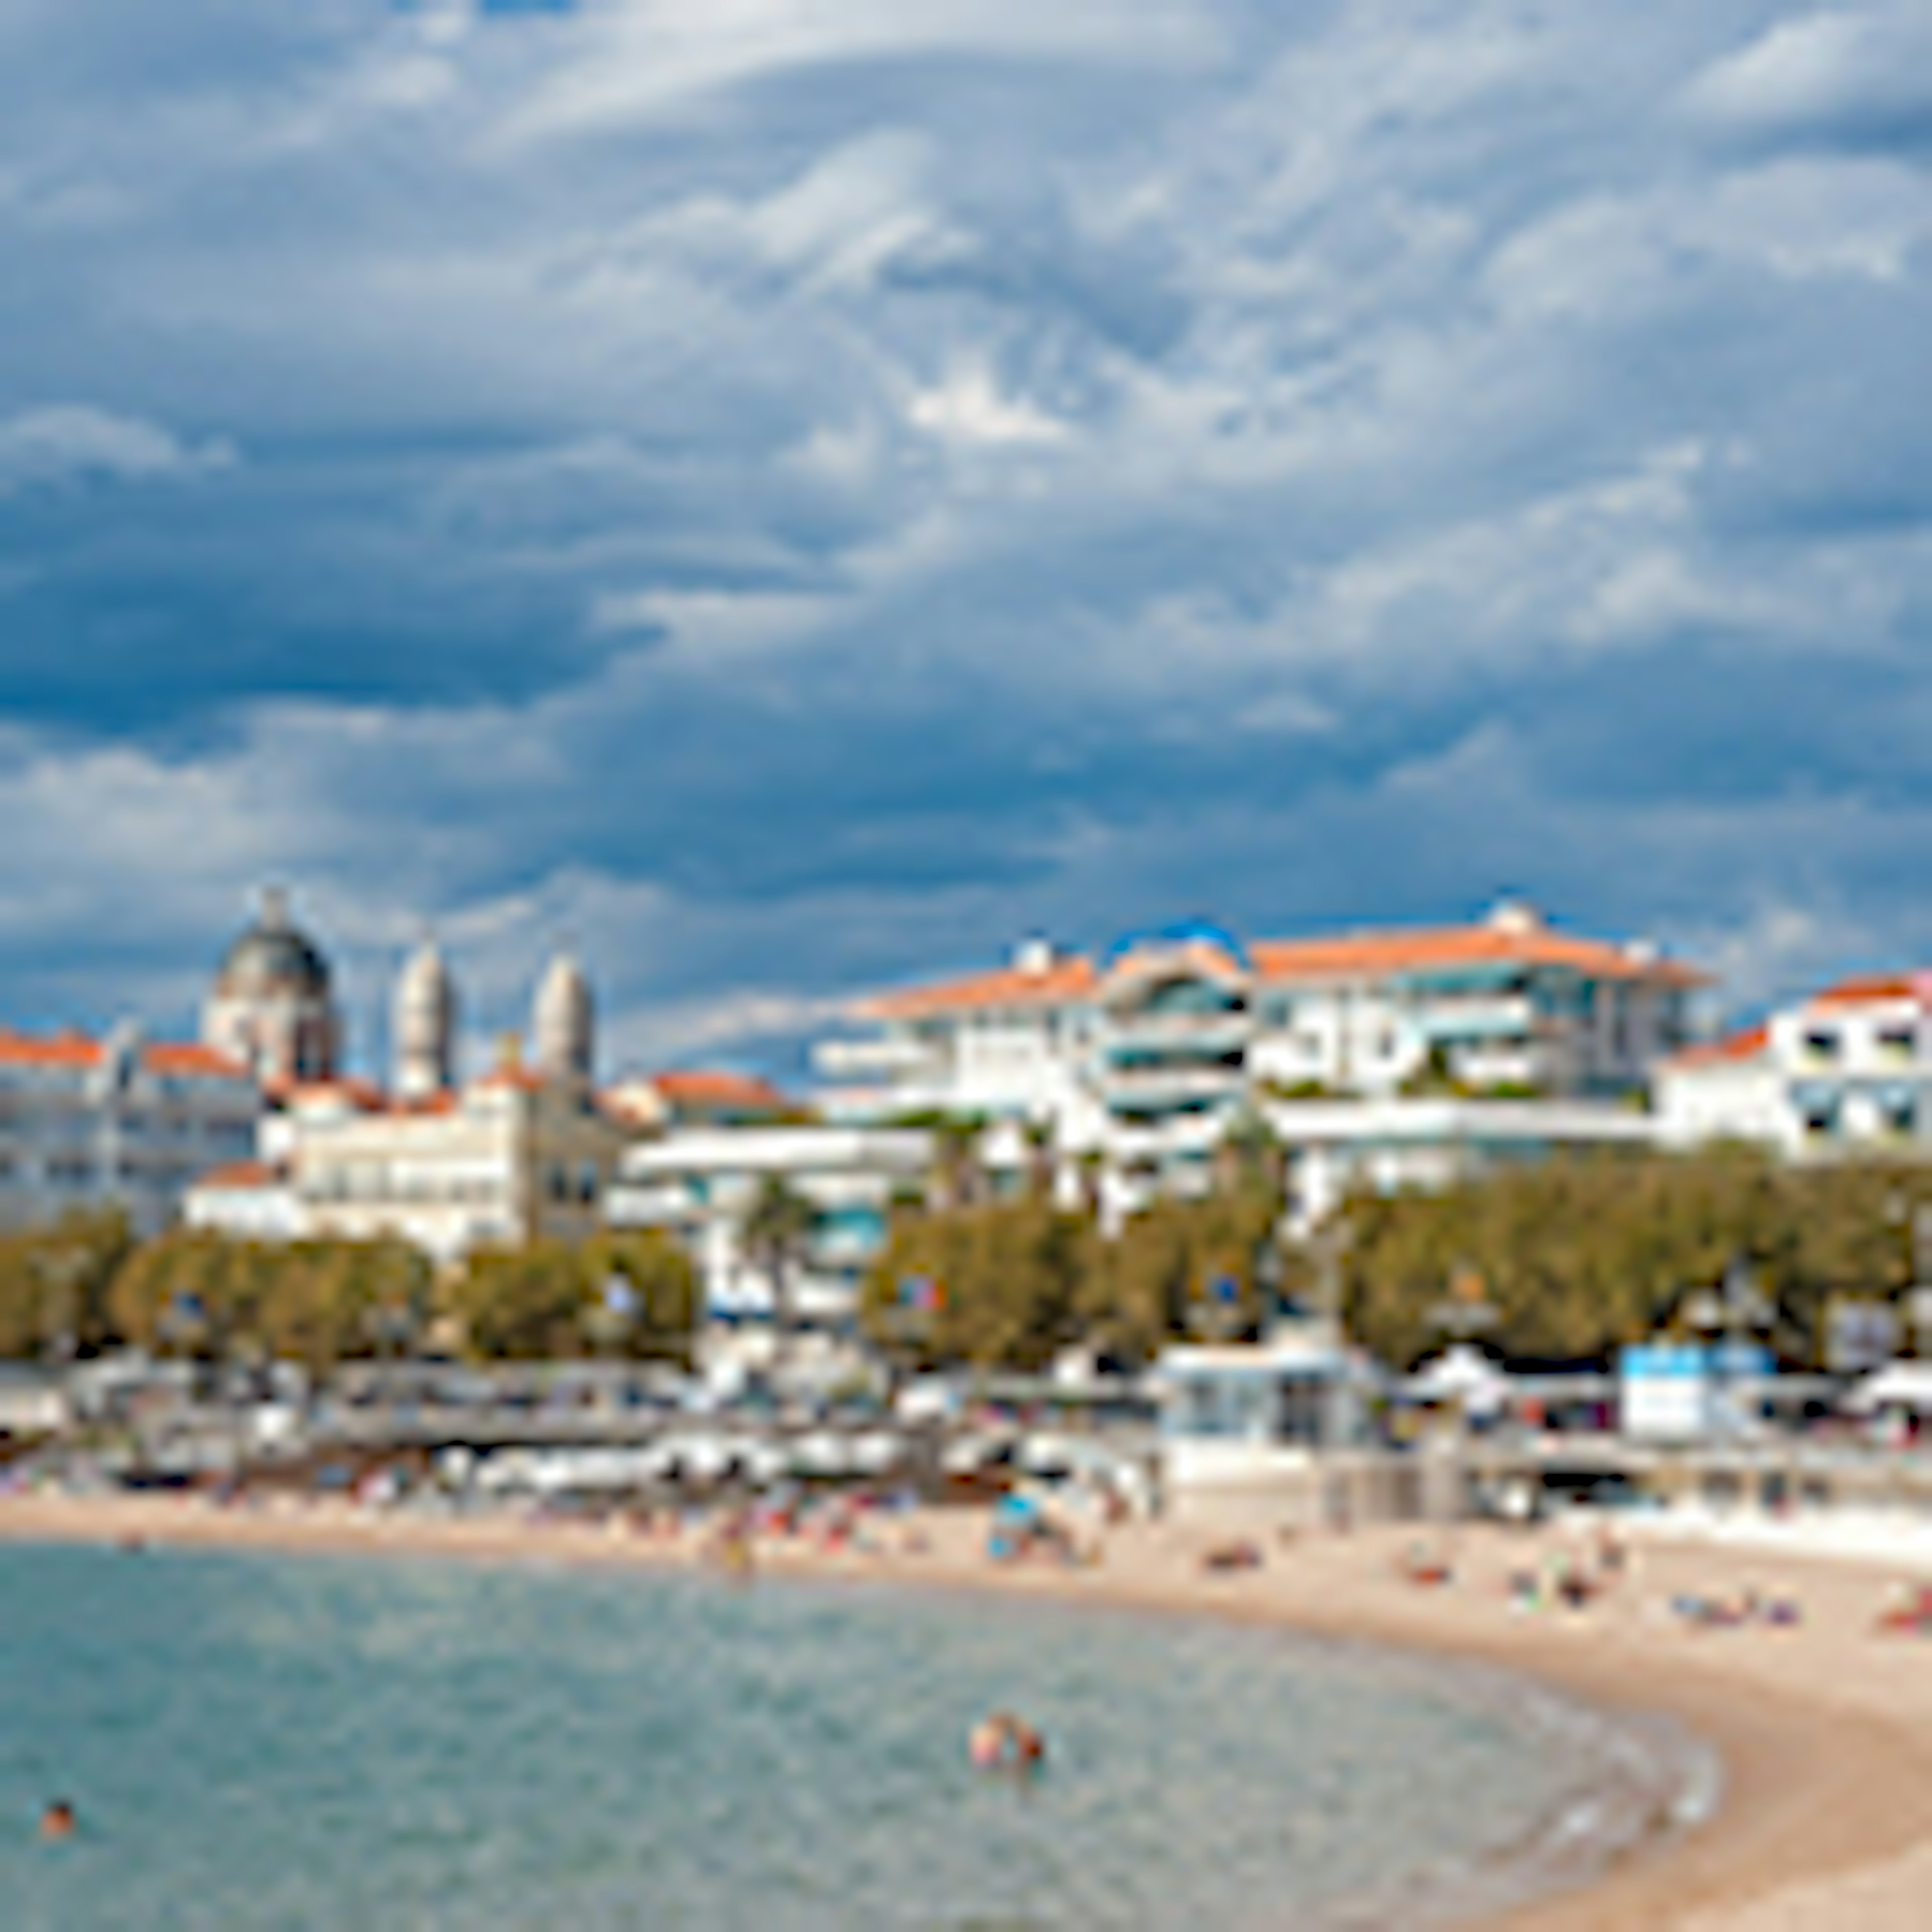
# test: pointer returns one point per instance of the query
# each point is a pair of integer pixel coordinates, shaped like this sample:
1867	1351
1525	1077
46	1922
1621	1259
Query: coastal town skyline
965	963
782	505
777	1039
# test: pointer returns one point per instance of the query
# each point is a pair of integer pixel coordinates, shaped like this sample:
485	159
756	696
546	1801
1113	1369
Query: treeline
1565	1259
1008	1284
1572	1257
85	1285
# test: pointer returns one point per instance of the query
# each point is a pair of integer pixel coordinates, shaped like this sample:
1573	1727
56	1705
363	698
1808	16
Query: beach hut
1248	1412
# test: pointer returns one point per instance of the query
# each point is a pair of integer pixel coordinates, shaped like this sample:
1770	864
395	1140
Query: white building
119	1122
1336	1147
1140	1060
513	1157
1847	1069
1189	1021
524	1154
700	1184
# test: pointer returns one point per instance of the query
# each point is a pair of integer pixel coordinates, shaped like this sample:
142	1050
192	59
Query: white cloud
1823	69
969	406
639	60
71	442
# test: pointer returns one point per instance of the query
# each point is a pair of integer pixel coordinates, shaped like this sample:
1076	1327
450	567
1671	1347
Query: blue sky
783	498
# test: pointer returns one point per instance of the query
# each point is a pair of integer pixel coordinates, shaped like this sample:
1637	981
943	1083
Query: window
1898	1041
1822	1042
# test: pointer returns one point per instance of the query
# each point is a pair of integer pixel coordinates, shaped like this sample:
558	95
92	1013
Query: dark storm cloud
789	497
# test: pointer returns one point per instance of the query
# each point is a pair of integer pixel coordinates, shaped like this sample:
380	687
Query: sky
786	499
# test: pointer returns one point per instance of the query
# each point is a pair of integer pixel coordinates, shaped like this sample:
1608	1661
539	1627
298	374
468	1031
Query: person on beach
58	1821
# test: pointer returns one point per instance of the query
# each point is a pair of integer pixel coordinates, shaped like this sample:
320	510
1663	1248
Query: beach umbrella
1461	1373
1906	1385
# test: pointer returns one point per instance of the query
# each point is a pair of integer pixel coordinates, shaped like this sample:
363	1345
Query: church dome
274	956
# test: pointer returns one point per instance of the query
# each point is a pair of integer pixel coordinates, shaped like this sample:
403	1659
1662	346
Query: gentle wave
258	1741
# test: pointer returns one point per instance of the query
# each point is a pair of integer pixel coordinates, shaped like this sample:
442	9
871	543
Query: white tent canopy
1897	1385
1461	1373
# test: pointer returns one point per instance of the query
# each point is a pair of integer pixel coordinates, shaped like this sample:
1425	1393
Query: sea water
256	1740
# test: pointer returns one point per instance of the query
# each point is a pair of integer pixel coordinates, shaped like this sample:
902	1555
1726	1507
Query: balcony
879	1057
1169	1087
1453	1022
1203	1033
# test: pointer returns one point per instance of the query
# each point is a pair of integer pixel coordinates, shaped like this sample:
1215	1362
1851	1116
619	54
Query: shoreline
1824	1732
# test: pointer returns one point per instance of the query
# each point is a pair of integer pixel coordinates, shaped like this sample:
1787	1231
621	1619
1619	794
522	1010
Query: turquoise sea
269	1742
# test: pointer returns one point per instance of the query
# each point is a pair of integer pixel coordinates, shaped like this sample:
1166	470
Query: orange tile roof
241	1174
1158	954
191	1057
707	1088
1871	986
1348	956
442	1101
1746	1044
67	1049
1067	979
1372	954
71	1048
363	1095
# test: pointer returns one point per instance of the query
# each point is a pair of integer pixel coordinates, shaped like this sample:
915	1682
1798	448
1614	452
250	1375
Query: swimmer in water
1003	1742
58	1820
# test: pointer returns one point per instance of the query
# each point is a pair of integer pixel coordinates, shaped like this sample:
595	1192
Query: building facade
1848	1069
511	1158
699	1184
1191	1021
1139	1060
120	1122
525	1153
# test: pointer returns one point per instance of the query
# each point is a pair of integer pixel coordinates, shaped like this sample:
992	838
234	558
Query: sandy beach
1823	1727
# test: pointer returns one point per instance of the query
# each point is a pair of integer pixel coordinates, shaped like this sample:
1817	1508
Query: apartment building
1846	1069
121	1122
1190	1022
700	1184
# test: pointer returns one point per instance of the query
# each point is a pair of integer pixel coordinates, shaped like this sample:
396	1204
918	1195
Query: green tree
662	1285
779	1228
552	1300
54	1283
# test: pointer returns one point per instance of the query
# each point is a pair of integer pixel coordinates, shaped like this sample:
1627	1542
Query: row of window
68	1174
1898	1041
380	1184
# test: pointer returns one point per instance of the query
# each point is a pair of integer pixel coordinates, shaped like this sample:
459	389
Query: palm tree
779	1231
956	1177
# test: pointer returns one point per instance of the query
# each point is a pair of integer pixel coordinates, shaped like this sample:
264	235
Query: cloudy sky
784	498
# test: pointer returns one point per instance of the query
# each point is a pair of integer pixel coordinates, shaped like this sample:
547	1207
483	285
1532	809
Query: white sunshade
1462	1373
1897	1385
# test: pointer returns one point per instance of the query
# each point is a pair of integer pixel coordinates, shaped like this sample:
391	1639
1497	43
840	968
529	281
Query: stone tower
564	1023
424	1026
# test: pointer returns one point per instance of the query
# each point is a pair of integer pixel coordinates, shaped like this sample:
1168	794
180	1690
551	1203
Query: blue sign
1644	1361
